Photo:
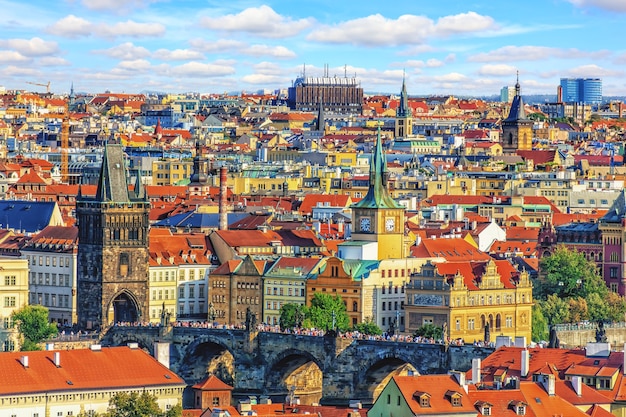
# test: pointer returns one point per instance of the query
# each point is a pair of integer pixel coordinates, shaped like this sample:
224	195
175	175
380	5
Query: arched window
498	321
510	138
124	264
355	306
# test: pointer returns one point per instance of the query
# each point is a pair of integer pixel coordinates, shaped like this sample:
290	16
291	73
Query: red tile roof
212	383
82	369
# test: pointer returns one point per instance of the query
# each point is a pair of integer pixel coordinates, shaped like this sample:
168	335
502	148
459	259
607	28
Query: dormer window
519	407
454	398
423	398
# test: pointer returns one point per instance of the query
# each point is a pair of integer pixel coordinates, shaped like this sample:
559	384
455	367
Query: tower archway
123	308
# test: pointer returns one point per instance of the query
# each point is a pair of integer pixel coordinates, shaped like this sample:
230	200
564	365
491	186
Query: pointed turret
140	190
158	130
517	112
113	185
403	107
320	126
377	195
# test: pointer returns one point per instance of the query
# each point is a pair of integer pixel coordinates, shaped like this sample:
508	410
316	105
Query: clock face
390	225
365	224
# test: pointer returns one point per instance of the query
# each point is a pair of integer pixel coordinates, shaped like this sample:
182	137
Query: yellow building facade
467	297
13	296
171	171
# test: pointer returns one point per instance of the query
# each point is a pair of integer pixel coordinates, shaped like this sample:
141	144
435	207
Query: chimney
476	371
577	384
459	376
223	224
24	361
525	363
548	383
624	364
57	359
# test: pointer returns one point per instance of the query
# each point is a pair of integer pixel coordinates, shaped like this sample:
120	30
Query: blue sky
442	47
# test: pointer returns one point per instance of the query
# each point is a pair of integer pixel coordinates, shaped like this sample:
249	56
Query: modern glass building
581	90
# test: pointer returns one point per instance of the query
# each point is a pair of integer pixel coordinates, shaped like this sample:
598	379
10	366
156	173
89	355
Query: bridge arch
294	372
371	377
208	354
118	337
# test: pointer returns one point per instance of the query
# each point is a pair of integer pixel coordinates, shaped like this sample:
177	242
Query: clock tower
378	217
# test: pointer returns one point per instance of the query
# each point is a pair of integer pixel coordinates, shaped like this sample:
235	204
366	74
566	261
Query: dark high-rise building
112	265
581	90
342	95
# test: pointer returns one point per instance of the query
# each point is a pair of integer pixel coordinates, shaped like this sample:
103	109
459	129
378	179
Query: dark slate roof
194	219
113	184
26	216
617	210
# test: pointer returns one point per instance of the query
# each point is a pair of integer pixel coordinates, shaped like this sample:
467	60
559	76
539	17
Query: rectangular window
201	291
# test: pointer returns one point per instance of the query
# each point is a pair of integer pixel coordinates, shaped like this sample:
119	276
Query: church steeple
403	106
404	116
320	126
377	194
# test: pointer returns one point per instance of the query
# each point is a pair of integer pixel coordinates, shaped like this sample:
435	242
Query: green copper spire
377	195
403	105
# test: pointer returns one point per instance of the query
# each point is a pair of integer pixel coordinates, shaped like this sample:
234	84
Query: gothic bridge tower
113	232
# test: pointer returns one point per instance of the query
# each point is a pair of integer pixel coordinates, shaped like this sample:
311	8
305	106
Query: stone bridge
327	370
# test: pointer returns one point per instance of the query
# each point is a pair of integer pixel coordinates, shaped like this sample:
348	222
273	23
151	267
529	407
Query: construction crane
41	85
65	144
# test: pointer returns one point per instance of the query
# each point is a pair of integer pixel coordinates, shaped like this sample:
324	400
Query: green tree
555	309
134	404
598	307
292	315
33	324
540	324
568	274
616	307
320	314
578	310
368	327
429	330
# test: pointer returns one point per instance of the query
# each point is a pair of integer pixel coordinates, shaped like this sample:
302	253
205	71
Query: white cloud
11	56
70	27
220	45
464	23
497	70
610	5
125	51
12	70
453	77
262	21
53	61
134	66
534	53
198	69
129	28
117	6
279	52
593	70
177	55
376	30
30	47
264	79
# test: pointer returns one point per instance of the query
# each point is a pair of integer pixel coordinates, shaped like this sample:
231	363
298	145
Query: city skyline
151	45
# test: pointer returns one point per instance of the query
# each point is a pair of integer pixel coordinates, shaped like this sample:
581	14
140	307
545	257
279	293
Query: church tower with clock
378	217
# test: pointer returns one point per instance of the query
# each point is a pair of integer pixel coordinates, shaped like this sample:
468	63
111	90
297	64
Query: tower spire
377	194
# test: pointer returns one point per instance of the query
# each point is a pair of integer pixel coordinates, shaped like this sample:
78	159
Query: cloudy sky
471	47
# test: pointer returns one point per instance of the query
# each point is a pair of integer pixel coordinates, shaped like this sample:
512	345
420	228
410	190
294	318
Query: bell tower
517	129
112	265
378	217
404	116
